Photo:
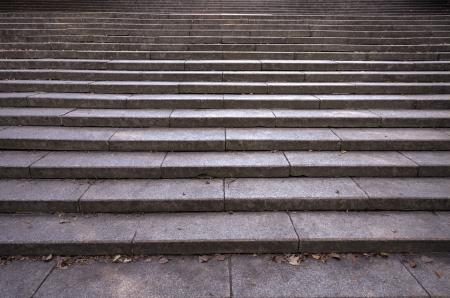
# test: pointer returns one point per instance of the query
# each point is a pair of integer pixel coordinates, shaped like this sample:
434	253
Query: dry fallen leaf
163	260
279	259
116	258
316	257
126	260
384	254
62	263
426	259
47	258
203	259
439	274
294	260
412	264
219	257
335	256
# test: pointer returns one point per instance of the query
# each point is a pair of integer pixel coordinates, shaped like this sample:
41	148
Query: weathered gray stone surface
372	231
222	118
31	116
98	165
56	138
348	277
117	117
407	193
293	194
16	164
161	195
225	164
281	139
326	118
168	139
41	195
432	272
21	279
431	163
180	277
363	163
393	138
70	234
187	233
414	118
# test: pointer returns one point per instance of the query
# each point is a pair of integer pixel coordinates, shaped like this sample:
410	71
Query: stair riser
218	76
219	55
249	65
222	88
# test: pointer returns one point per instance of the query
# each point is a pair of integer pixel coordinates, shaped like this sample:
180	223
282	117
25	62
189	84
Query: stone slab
222	118
161	195
175	101
168	139
31	116
180	277
348	277
431	163
406	193
41	195
98	165
326	118
414	118
225	164
16	164
254	194
281	139
187	233
393	138
117	117
432	272
78	100
381	231
338	164
70	234
265	101
22	278
56	138
15	99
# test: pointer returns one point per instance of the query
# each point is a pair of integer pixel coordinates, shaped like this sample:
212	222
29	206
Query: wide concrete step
225	55
197	233
199	87
225	76
71	164
222	101
184	118
236	194
226	65
173	46
232	39
221	139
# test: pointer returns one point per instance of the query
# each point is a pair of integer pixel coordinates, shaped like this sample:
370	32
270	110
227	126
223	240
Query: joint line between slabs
413	276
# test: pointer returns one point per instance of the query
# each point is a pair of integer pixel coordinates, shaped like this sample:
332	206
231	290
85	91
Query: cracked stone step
224	65
226	76
372	231
235	194
221	139
224	117
198	233
183	233
216	101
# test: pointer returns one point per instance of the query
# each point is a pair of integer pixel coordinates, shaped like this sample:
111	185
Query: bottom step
344	275
195	233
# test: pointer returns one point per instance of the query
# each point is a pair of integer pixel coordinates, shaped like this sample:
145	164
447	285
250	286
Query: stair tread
222	232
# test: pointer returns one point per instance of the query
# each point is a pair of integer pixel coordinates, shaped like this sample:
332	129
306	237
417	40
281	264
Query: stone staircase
192	127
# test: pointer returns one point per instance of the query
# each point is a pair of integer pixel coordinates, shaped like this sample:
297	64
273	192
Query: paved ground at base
333	275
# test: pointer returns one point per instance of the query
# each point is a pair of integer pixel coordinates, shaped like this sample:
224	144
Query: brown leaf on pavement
203	259
426	259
